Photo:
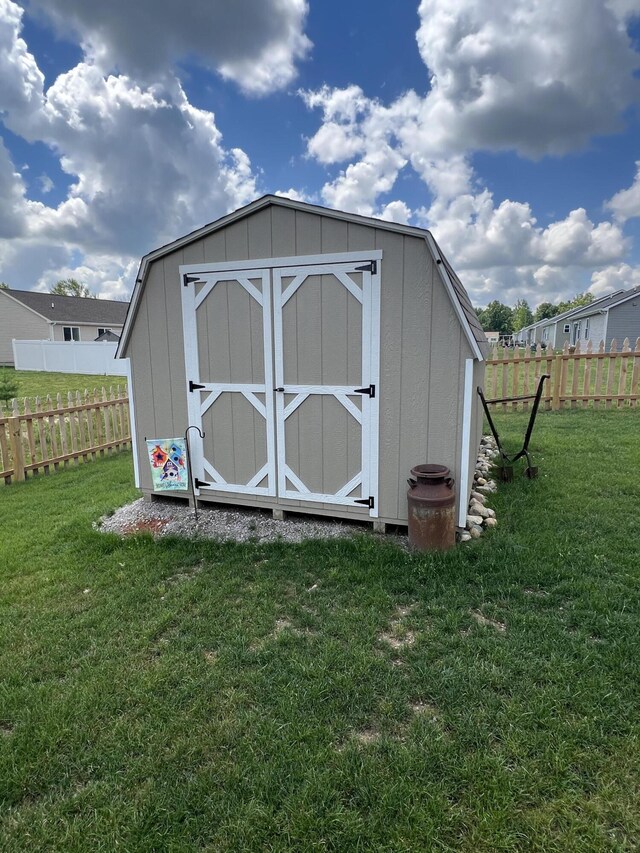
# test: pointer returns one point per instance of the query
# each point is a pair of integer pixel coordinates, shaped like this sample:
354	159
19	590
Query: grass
328	696
33	383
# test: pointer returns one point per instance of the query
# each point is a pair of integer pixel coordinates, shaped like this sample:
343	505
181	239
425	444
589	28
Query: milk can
432	501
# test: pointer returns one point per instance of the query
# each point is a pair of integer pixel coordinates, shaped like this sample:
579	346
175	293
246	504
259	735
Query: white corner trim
132	426
444	275
466	441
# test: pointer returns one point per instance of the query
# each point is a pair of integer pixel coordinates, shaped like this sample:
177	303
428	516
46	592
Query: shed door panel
227	324
323	361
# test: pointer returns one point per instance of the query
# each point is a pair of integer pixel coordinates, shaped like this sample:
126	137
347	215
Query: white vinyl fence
69	357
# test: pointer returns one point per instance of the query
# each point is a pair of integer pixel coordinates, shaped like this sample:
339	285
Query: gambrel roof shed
323	354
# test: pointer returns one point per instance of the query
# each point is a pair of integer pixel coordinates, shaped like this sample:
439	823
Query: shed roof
71	309
457	293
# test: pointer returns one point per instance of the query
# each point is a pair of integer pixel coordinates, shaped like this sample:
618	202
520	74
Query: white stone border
479	516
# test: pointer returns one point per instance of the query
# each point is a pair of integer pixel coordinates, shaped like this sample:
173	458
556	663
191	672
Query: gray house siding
624	322
422	348
17	321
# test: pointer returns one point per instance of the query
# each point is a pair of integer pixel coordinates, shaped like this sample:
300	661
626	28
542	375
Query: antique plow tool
506	468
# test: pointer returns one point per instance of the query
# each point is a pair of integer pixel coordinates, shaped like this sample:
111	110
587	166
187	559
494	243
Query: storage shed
323	354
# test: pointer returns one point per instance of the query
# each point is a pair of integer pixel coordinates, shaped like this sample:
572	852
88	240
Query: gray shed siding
624	322
422	347
17	321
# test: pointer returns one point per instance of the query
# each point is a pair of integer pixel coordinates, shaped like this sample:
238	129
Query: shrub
8	385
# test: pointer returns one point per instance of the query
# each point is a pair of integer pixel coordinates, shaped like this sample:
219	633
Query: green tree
522	315
545	311
4	285
496	317
578	301
8	385
72	287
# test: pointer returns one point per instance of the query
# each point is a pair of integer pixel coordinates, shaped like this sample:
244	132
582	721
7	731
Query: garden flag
168	460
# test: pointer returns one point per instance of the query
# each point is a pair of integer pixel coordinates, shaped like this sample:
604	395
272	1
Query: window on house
586	329
545	334
102	331
71	333
566	328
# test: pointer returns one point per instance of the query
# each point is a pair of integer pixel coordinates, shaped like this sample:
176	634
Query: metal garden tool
506	469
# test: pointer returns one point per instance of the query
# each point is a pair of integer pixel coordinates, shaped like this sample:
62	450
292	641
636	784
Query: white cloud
146	165
106	276
22	80
13	207
626	203
620	277
515	76
396	211
522	75
255	43
297	195
46	184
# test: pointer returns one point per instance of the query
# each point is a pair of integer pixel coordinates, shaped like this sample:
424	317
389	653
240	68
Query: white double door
282	367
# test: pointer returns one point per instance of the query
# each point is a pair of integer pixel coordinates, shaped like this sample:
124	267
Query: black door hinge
198	483
193	386
370	391
189	279
371	267
370	502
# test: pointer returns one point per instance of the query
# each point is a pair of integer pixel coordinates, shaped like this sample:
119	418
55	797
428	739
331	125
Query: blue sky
510	130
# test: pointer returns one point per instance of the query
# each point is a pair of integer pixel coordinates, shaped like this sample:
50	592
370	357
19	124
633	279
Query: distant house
27	315
493	337
614	317
589	323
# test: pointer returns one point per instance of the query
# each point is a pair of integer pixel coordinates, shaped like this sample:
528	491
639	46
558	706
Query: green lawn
33	383
330	696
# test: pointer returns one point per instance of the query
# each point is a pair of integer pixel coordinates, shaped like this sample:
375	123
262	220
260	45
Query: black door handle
281	390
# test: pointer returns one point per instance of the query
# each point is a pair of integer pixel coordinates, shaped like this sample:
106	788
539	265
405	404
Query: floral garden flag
168	460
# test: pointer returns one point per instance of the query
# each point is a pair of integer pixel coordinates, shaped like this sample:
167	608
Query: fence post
17	451
557	371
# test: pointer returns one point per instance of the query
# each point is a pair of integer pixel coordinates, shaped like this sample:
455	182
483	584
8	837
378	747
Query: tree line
497	317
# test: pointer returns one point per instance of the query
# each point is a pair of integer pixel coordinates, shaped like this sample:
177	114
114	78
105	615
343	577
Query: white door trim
197	405
368	416
467	408
291	261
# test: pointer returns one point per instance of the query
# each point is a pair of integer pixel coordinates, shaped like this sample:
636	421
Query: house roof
457	293
600	304
607	302
108	336
71	309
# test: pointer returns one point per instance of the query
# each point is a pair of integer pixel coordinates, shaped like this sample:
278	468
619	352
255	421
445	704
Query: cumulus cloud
626	203
522	75
516	76
146	165
107	276
255	43
619	277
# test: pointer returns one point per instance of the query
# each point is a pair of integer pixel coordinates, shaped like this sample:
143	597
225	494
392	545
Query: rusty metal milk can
432	501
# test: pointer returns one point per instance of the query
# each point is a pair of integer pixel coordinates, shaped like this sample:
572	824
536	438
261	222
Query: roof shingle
72	309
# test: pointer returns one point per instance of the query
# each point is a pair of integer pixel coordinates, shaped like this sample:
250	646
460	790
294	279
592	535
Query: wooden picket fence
41	438
588	378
